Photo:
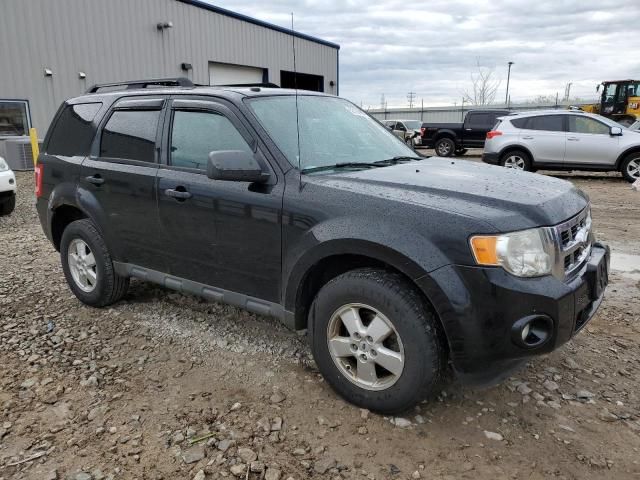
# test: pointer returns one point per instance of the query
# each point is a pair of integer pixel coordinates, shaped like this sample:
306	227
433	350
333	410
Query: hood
504	198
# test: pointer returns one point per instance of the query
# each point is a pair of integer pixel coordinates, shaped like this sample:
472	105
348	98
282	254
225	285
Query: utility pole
567	91
506	97
422	109
411	96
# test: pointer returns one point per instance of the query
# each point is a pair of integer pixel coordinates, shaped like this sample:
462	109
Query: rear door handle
95	179
527	138
573	139
179	194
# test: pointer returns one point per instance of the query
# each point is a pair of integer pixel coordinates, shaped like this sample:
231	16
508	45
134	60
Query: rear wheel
7	204
375	341
445	147
88	266
630	167
516	159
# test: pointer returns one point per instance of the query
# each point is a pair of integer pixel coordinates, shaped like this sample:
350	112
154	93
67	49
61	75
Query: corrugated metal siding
115	40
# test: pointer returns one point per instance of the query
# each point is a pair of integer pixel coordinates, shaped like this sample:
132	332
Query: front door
119	176
589	142
220	233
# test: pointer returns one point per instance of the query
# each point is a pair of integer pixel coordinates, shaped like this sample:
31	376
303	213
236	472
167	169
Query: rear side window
519	122
480	120
130	135
549	123
73	132
196	134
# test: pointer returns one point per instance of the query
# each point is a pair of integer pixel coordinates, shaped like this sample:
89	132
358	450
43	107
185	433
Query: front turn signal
484	250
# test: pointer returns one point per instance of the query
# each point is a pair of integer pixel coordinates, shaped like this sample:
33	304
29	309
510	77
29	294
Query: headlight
524	254
3	165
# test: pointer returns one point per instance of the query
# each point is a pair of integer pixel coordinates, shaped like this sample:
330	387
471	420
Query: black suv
303	207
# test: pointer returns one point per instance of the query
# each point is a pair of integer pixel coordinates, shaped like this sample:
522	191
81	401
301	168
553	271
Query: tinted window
479	120
587	125
130	134
195	134
519	122
73	132
549	123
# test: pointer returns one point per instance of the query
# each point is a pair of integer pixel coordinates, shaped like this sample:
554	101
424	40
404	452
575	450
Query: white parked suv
563	140
7	188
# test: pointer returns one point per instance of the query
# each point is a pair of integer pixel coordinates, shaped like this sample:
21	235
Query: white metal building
52	50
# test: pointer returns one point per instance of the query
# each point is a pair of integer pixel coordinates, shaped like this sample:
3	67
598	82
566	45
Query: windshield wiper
337	166
398	159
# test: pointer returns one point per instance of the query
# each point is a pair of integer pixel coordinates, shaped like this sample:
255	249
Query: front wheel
375	340
88	266
445	147
516	159
630	167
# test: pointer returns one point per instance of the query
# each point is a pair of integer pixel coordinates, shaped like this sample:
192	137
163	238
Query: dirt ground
167	386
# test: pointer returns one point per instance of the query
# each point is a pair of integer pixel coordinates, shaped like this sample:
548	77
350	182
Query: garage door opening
229	74
306	81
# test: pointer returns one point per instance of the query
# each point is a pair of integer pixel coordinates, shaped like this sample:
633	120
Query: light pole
506	98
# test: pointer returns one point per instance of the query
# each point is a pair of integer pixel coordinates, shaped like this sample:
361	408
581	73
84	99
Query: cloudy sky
431	47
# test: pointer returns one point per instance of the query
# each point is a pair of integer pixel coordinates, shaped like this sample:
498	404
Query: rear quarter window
73	131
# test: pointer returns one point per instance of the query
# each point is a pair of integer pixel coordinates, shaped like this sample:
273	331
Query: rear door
589	142
220	233
545	137
119	178
475	128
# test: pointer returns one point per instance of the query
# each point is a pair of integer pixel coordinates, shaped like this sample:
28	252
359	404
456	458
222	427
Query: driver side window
195	134
587	125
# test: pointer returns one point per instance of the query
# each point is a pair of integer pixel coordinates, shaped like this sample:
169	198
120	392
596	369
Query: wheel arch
625	154
333	258
512	148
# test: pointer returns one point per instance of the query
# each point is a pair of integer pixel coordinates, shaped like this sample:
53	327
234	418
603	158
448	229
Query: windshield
332	131
413	124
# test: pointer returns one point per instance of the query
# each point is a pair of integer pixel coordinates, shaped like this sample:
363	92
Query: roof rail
159	82
247	85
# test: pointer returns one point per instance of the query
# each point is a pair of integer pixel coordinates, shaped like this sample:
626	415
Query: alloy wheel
365	346
444	149
82	265
515	161
633	168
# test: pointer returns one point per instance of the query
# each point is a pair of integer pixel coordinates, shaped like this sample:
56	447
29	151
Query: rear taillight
38	172
493	133
422	130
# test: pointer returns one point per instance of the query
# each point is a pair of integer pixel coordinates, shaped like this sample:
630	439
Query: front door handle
573	139
179	194
95	179
527	138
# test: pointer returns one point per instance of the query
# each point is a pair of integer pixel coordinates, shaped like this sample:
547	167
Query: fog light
532	331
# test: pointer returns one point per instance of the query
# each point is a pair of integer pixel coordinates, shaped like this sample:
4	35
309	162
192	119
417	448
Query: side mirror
235	166
615	131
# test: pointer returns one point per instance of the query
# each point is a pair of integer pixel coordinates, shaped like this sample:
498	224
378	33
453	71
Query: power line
411	97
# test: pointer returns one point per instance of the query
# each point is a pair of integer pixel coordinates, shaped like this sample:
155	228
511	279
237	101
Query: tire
630	167
461	152
445	147
409	142
104	286
415	336
517	159
7	205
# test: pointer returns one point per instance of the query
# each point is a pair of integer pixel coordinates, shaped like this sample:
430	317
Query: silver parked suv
563	140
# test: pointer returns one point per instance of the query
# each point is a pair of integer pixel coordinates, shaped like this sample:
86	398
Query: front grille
574	237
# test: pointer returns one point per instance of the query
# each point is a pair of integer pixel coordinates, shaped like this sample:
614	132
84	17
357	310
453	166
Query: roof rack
248	85
159	82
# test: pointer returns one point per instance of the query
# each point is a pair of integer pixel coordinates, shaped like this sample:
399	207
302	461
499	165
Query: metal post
506	97
422	109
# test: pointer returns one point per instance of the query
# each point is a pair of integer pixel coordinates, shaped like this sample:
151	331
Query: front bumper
491	157
7	181
479	306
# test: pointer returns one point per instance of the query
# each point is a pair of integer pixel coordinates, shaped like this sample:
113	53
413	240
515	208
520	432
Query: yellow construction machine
620	101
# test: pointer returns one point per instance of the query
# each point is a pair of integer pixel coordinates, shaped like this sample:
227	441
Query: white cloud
431	47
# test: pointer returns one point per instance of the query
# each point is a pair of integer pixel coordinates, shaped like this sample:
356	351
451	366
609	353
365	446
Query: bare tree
485	86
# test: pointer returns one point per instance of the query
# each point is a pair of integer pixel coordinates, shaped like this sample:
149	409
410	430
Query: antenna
295	85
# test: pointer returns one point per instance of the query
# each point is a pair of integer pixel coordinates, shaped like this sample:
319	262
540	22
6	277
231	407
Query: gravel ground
167	386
